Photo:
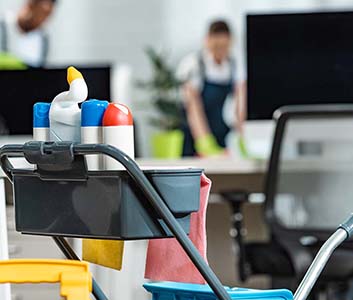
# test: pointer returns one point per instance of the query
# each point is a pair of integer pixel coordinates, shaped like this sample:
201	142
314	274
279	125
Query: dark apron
213	96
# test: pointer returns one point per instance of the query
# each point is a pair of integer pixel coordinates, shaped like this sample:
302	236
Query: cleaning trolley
97	192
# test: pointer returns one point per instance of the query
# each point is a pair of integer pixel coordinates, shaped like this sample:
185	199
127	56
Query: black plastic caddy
62	198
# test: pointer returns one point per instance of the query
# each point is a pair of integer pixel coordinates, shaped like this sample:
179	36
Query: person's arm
241	112
195	113
205	142
240	107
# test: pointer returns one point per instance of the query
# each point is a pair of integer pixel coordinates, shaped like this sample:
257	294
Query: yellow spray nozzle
72	74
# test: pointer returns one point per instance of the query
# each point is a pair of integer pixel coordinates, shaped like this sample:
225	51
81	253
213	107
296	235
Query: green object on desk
10	62
208	146
168	144
242	147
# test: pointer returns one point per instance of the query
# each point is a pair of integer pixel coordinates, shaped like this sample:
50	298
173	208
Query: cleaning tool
166	259
41	121
118	131
92	112
65	114
74	276
186	291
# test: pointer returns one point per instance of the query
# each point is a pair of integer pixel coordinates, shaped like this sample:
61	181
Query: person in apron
22	36
208	81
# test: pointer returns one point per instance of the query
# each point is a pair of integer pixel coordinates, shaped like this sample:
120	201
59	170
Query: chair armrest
300	256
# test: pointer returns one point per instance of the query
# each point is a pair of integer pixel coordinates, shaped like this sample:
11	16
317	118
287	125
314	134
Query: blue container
41	115
189	291
92	112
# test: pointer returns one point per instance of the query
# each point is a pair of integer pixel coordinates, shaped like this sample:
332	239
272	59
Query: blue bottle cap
92	112
41	115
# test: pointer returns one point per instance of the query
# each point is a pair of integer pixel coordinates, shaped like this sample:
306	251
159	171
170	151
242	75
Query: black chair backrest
309	183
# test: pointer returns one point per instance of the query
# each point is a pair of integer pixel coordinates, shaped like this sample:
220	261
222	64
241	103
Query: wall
117	30
94	31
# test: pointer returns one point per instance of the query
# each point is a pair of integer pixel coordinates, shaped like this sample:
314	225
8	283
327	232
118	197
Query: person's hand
208	146
239	127
242	147
244	150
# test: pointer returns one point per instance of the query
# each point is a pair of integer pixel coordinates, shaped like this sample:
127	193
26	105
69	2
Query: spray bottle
118	131
92	112
65	114
41	121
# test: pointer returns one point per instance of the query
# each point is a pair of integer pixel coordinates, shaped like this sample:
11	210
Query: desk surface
210	165
227	174
229	165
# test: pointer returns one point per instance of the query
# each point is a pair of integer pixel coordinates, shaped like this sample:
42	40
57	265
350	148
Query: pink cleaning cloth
167	260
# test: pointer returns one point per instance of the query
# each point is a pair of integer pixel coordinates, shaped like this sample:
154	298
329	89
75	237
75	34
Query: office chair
308	191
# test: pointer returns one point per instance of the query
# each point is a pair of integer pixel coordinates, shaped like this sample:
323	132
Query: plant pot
168	144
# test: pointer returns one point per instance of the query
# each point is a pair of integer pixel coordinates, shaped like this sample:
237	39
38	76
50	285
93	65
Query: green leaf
163	87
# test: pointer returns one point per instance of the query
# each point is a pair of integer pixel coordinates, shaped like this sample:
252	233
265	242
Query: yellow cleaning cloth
106	253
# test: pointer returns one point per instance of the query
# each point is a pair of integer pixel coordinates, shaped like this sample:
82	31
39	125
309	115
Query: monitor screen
304	58
21	89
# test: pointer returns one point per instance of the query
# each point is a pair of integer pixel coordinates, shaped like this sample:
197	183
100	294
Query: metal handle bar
344	231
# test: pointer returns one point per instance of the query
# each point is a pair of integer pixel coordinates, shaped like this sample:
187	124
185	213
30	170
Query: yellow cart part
74	276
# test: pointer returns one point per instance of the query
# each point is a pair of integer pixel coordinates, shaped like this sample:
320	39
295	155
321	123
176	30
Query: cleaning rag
103	252
167	260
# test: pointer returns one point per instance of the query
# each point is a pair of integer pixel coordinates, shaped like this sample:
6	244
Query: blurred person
22	35
208	78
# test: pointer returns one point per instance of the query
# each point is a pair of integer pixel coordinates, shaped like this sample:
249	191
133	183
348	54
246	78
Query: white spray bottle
65	114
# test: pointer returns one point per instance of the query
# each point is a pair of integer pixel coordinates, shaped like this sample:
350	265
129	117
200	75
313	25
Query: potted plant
163	89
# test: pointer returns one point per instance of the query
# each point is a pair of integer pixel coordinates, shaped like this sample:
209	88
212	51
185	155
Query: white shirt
189	70
28	47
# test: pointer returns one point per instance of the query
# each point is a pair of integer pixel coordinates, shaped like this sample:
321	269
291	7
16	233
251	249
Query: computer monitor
21	89
301	58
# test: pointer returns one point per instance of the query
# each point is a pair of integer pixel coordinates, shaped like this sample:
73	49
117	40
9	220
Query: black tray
106	205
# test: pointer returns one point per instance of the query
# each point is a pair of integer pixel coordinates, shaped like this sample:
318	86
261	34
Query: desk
229	174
